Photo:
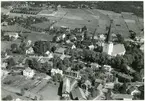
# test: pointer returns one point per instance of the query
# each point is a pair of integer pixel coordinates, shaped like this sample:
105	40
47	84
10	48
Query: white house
29	43
63	36
91	47
12	35
28	72
73	47
30	51
56	71
47	52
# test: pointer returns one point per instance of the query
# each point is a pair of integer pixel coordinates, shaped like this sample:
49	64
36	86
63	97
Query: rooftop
118	48
78	93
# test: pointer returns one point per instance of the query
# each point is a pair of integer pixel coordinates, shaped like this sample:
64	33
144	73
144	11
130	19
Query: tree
14	48
120	38
3	54
22	47
8	51
53	49
117	62
40	47
8	97
103	59
11	62
137	77
132	35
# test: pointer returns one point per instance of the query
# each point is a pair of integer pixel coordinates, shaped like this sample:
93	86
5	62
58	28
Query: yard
50	92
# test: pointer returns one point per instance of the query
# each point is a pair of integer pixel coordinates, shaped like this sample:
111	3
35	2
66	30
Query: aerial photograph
72	50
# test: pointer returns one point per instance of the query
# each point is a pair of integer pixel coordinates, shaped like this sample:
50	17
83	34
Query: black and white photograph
72	50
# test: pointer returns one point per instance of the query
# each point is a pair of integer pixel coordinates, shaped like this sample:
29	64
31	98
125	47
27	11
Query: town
72	50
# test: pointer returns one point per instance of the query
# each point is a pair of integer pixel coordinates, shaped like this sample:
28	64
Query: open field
43	25
7	44
50	92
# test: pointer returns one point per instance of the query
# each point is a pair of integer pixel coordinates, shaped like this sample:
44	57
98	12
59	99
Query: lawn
50	92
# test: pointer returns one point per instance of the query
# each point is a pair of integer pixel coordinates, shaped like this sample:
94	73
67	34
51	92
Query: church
110	48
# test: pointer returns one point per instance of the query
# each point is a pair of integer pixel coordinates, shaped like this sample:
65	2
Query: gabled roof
78	93
66	85
124	75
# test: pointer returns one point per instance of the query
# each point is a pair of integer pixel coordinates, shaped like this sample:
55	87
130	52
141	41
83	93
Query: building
4	74
91	47
56	71
95	66
28	72
78	94
110	48
66	88
12	35
60	50
142	48
72	74
109	85
118	49
121	97
30	51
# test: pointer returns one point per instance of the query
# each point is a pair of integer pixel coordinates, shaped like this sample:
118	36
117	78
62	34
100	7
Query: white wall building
28	72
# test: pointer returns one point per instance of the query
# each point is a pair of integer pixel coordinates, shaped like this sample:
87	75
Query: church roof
118	48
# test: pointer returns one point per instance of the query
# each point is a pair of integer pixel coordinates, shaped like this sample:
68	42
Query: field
48	91
81	17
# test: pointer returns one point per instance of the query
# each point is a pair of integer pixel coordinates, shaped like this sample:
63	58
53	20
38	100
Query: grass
50	92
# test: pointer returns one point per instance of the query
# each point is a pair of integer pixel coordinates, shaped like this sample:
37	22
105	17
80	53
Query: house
78	94
99	81
60	50
12	35
91	47
142	48
72	74
73	47
124	76
47	52
109	85
4	65
4	23
30	51
95	66
56	71
122	97
64	56
4	74
100	86
131	70
133	90
107	68
66	88
29	42
28	72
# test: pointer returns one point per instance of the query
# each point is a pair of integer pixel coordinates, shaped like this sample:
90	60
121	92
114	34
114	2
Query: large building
110	48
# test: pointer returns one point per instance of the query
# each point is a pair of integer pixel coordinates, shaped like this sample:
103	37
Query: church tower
108	47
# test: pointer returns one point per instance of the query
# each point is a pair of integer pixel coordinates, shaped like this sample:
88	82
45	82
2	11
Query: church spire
109	36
